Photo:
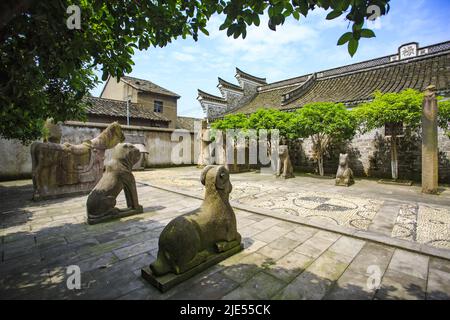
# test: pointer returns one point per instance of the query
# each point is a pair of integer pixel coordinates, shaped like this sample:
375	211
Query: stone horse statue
193	238
63	169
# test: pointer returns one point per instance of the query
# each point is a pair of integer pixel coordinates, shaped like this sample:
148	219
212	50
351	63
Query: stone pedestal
170	280
430	160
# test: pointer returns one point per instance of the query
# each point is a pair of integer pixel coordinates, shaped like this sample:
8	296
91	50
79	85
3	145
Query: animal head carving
283	151
216	177
127	154
343	159
52	131
109	137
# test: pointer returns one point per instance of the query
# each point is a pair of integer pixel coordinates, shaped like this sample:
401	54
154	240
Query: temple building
411	67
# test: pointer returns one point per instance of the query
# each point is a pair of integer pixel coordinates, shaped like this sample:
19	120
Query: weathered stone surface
371	255
399	285
191	239
344	175
284	165
351	286
409	263
61	169
260	286
317	244
289	266
117	177
169	280
438	285
430	157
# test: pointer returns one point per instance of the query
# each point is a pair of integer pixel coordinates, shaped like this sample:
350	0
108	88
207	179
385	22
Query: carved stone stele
430	157
64	169
192	239
344	175
284	167
117	177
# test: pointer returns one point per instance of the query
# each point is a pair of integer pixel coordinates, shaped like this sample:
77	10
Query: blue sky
296	48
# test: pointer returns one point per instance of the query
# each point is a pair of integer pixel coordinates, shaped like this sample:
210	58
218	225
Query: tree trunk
394	158
320	163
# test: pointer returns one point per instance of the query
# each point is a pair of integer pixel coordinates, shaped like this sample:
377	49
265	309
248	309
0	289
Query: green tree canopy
325	123
444	116
404	107
46	68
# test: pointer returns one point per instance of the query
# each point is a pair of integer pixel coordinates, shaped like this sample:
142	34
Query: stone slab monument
67	169
344	175
197	240
430	159
101	201
284	165
204	157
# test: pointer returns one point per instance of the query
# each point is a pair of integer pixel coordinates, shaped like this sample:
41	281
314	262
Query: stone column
204	139
430	160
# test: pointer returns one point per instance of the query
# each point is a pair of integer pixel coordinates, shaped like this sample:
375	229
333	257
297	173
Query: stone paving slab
281	259
364	206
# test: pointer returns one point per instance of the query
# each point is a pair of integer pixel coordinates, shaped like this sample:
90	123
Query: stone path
382	209
281	260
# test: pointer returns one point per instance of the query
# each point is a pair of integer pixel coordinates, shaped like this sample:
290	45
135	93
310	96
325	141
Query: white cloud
183	57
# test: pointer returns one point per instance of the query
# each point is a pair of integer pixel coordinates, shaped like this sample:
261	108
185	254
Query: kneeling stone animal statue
190	239
344	175
116	177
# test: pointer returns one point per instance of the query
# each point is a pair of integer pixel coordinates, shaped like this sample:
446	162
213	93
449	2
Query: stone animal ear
222	178
204	172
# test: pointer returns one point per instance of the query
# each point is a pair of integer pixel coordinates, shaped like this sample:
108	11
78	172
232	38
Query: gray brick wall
370	156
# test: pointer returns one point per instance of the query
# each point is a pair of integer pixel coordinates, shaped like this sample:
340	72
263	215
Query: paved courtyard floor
304	239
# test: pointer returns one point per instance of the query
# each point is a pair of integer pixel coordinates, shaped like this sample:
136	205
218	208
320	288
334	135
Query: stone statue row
189	243
344	175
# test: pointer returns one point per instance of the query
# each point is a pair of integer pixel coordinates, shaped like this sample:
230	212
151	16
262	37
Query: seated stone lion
284	168
344	175
116	177
190	239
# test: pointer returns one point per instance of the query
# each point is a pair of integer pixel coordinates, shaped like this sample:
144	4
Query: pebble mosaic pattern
423	224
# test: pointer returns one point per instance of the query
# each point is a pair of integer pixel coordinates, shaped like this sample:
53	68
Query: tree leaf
353	46
345	38
367	33
334	14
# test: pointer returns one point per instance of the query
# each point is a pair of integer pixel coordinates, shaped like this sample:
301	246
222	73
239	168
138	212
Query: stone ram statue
117	177
344	175
63	169
284	167
190	239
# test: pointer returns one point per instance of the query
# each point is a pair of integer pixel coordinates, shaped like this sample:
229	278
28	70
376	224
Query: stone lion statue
117	177
344	175
284	167
191	239
61	169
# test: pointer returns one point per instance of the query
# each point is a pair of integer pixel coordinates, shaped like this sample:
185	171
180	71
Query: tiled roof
186	123
244	75
210	97
118	108
148	86
229	85
352	87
